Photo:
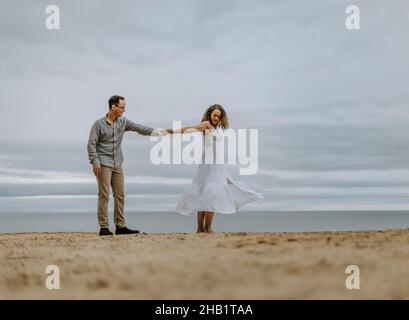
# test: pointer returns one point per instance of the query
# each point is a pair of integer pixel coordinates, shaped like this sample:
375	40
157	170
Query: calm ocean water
249	221
51	188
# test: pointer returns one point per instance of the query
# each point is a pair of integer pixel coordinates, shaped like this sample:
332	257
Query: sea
50	188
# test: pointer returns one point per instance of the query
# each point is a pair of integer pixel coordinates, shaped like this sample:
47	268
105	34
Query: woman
212	189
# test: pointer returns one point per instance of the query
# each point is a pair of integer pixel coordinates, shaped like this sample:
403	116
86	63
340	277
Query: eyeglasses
123	108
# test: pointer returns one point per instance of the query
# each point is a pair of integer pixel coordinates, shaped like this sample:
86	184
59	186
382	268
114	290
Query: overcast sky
323	97
273	62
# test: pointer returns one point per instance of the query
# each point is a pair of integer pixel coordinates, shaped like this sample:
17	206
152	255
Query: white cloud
29	176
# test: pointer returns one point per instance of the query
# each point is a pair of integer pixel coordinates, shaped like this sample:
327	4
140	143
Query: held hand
204	125
97	170
164	132
208	124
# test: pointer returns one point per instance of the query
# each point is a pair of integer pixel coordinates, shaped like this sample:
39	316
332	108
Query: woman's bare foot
200	221
208	219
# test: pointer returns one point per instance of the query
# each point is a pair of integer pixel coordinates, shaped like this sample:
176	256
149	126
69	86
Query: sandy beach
200	266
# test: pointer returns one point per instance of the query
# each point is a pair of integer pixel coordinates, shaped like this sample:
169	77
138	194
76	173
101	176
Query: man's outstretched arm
141	129
131	126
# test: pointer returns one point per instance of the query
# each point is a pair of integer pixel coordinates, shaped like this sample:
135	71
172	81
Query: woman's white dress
213	189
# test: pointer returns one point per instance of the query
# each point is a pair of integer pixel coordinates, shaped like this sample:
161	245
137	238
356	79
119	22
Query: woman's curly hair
224	121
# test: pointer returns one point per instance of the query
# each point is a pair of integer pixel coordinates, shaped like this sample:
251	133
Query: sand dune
198	266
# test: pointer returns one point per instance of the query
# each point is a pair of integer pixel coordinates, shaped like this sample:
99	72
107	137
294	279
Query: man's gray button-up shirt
104	143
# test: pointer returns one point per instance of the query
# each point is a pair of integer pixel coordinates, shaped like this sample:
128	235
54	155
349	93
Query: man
105	154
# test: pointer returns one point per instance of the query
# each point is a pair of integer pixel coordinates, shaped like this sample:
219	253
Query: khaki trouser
113	177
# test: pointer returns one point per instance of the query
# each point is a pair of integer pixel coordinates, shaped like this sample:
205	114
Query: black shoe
125	230
105	232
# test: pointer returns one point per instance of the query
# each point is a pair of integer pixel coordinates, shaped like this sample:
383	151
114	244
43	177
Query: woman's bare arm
200	127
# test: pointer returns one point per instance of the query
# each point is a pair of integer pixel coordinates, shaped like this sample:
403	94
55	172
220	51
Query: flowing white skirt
214	190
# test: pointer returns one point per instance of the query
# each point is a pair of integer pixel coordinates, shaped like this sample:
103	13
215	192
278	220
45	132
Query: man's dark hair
114	100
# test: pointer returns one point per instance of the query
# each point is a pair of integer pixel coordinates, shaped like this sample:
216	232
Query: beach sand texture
308	265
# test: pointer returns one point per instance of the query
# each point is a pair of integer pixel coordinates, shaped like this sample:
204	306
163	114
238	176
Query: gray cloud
324	98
